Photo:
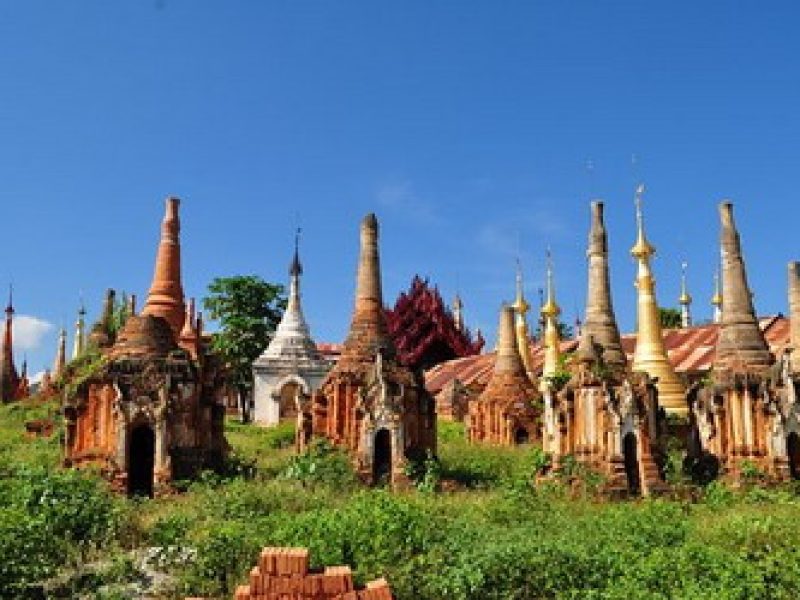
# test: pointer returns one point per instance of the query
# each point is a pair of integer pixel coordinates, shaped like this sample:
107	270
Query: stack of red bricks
283	574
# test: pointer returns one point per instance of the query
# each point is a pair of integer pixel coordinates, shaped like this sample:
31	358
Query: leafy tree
248	309
670	317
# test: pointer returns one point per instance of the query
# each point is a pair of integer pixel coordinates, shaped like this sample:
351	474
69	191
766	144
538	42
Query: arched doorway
141	459
382	461
631	456
521	436
793	454
288	400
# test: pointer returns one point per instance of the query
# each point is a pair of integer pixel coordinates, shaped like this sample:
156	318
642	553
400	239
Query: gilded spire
61	354
368	330
651	355
685	299
550	313
601	324
794	314
166	292
716	299
741	343
521	308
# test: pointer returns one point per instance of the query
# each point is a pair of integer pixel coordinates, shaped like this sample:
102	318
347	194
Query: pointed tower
550	314
716	300
61	354
166	293
100	334
794	314
685	300
369	403
651	355
458	313
521	308
9	378
79	344
291	368
508	410
741	343
601	324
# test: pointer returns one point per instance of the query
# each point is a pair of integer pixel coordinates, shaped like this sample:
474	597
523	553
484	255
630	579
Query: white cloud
401	198
29	332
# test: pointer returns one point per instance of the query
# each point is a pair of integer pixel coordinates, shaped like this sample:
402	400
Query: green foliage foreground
494	535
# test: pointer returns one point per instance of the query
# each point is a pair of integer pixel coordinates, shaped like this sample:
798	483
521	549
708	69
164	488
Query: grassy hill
492	532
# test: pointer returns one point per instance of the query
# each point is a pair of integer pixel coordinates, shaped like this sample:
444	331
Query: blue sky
466	126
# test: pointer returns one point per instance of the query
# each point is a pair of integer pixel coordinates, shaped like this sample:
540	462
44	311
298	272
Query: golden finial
520	305
642	249
550	308
716	299
685	298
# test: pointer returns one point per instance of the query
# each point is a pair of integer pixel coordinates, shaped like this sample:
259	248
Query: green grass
494	534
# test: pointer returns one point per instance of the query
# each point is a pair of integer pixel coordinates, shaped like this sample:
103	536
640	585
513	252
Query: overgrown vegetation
478	525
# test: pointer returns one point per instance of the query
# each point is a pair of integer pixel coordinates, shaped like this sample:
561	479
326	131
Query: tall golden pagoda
551	339
651	355
521	308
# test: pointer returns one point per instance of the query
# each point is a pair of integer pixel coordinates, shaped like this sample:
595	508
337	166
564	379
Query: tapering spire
166	292
79	343
61	354
685	299
458	313
9	379
794	314
508	358
716	299
601	324
651	355
100	334
741	343
550	313
368	330
521	308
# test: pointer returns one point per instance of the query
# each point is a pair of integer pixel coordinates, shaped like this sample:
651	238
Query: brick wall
283	574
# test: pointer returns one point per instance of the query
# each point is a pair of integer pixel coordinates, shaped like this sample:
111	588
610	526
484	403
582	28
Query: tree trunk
244	403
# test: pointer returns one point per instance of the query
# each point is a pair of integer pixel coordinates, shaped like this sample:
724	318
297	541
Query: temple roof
690	350
144	336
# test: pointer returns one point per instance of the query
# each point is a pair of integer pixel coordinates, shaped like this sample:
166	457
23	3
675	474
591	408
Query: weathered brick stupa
370	403
509	410
291	368
12	386
739	418
152	412
604	416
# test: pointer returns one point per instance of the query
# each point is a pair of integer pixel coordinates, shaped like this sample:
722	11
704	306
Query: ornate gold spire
550	313
685	299
601	324
716	299
741	343
651	355
166	292
521	308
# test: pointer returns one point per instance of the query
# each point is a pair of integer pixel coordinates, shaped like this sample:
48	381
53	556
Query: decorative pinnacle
10	307
550	308
685	298
296	268
520	305
642	249
716	299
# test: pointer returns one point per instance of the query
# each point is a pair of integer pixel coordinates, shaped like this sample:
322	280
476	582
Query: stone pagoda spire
61	354
601	324
9	379
651	355
166	293
458	313
741	343
685	299
368	330
521	308
508	358
79	344
550	313
794	314
716	299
